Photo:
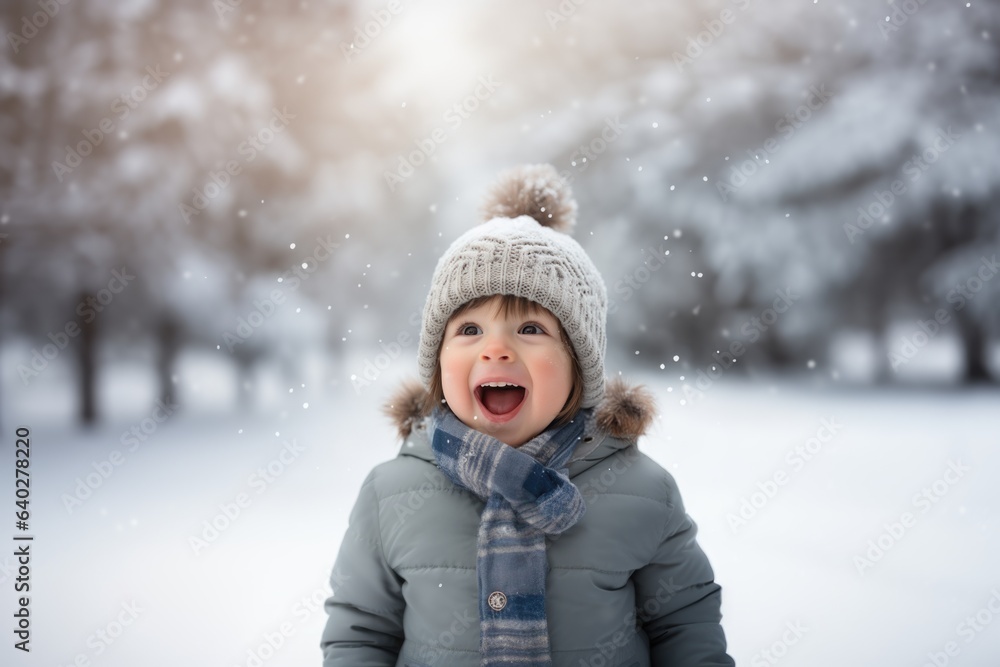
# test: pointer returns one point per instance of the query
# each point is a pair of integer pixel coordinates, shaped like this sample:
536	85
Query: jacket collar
622	416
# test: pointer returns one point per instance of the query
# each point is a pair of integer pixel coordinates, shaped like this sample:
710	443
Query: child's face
481	346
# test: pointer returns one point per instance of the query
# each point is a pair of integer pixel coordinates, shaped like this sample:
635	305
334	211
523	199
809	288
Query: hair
518	306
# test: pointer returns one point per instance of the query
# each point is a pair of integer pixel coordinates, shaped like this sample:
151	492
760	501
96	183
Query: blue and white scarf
528	495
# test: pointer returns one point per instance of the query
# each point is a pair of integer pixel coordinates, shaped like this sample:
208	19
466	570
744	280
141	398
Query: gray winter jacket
628	585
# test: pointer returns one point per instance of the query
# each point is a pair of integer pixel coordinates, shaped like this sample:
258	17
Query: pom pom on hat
535	190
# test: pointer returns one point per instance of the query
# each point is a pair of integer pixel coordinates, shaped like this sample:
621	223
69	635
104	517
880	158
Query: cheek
556	370
447	378
454	378
448	364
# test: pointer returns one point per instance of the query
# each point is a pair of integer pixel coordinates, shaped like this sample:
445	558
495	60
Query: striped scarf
528	495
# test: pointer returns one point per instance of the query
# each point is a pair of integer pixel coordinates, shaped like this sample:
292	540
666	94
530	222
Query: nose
496	347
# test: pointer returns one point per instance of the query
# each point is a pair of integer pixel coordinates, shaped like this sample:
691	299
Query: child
519	523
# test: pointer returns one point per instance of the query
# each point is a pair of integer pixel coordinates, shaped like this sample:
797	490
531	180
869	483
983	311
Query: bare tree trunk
777	351
974	350
883	347
169	344
3	238
88	369
244	378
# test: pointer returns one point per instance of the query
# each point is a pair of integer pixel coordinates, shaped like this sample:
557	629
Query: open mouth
500	401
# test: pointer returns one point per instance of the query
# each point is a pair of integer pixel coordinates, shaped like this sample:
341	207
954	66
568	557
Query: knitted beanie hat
524	249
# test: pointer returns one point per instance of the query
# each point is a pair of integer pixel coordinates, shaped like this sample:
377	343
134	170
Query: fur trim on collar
625	412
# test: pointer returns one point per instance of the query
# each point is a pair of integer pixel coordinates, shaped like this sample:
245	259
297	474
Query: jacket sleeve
677	599
365	624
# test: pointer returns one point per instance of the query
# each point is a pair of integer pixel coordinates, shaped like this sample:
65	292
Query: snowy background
217	226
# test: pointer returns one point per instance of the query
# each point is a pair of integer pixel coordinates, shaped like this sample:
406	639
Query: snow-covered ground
794	584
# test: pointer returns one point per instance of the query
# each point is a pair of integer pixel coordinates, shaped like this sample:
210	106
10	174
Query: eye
469	330
532	328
